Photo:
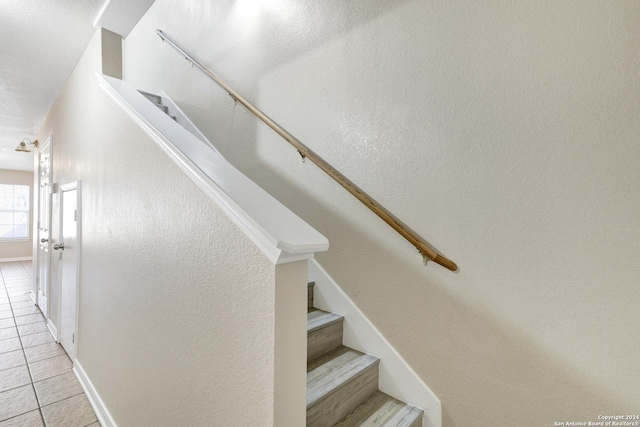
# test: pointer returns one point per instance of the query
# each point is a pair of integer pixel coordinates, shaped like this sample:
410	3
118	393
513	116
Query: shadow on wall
485	372
299	27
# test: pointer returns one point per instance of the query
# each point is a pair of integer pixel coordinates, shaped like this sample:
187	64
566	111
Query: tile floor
37	387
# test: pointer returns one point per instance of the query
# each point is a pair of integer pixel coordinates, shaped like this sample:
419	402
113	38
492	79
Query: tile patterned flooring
37	386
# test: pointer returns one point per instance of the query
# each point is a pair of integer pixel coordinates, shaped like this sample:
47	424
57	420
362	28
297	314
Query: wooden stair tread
342	383
318	319
382	410
331	371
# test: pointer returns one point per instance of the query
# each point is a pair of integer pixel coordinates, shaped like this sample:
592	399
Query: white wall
503	132
18	249
176	312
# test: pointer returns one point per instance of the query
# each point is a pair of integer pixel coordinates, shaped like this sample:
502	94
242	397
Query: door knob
43	240
59	246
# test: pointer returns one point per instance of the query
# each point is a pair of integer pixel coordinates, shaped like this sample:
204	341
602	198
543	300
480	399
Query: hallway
37	386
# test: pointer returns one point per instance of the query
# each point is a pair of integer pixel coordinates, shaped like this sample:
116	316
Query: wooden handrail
423	247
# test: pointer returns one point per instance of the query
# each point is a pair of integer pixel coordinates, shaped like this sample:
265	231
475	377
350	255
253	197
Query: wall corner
290	346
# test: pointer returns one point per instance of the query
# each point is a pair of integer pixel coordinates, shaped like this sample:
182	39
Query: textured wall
18	249
504	132
176	320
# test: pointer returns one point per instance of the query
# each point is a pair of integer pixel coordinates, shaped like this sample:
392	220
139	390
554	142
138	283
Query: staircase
342	383
157	101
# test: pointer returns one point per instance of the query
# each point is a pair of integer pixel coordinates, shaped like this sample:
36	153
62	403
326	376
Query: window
14	212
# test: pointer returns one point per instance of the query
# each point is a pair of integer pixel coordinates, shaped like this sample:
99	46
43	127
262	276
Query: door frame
75	185
42	298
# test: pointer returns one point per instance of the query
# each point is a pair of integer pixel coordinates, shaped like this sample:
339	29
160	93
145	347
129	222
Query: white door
69	251
44	226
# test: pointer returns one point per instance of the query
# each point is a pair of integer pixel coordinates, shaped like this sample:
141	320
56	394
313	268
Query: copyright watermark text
605	421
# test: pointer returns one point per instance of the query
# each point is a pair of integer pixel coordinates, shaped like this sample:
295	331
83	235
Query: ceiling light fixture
22	147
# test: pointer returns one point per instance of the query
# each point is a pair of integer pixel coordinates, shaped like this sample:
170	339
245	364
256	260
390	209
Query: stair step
318	319
382	410
324	332
163	108
337	383
310	287
156	99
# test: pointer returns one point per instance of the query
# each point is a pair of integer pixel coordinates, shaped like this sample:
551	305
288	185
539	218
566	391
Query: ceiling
41	41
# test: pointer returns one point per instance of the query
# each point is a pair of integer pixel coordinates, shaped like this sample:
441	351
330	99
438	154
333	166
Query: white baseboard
24	258
94	398
52	329
397	379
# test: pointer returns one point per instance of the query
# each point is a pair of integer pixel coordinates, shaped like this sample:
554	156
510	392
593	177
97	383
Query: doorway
69	248
44	227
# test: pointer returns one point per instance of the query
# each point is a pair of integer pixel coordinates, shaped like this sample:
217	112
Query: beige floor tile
37	339
48	368
57	388
18	280
32	328
30	318
44	351
14	274
18	291
17	401
25	310
10	344
72	412
30	419
8	333
19	298
22	304
17	283
11	359
14	377
7	323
